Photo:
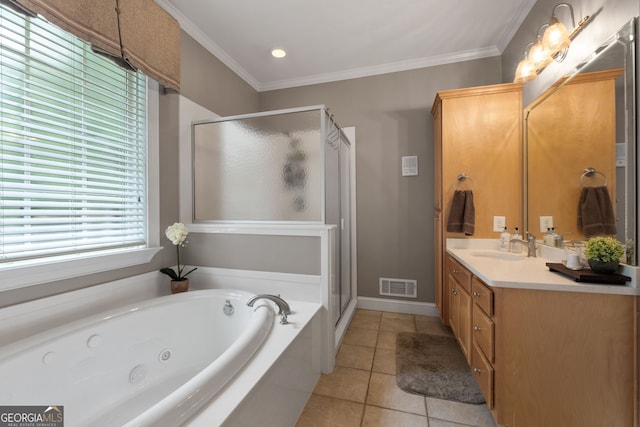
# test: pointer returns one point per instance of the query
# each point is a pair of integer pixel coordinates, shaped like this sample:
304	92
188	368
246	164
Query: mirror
580	145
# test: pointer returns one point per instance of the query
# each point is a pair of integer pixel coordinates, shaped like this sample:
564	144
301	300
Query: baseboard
398	306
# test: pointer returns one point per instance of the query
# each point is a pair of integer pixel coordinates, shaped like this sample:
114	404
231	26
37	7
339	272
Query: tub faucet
283	307
530	243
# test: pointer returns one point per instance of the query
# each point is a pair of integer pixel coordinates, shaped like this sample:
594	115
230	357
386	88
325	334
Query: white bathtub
155	363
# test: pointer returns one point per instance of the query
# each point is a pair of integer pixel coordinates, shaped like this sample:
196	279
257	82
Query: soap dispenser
516	248
505	240
550	238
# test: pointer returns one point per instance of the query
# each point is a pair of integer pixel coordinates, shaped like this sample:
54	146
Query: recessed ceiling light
278	53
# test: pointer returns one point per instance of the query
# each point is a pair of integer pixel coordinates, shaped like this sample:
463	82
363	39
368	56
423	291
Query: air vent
398	287
409	165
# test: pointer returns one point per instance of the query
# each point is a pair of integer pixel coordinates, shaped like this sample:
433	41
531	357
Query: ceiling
340	39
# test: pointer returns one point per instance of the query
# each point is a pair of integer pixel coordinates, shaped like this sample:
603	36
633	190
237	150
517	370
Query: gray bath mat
434	366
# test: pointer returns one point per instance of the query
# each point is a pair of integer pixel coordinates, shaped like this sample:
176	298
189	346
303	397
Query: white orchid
177	233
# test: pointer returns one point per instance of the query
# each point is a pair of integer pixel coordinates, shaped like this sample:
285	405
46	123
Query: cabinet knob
476	294
456	271
476	370
476	328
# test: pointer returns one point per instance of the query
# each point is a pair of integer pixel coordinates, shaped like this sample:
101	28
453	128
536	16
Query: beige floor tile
367	314
365	323
392	324
355	356
392	315
381	417
359	336
463	413
384	392
432	325
386	341
344	383
384	361
322	411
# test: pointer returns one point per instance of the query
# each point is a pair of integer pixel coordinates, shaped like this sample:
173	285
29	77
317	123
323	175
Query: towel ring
589	173
462	177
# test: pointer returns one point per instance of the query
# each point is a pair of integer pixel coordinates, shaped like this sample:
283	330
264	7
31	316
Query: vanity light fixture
278	53
539	54
556	38
553	45
526	70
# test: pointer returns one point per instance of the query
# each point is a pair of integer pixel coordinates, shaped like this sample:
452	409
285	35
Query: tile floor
362	389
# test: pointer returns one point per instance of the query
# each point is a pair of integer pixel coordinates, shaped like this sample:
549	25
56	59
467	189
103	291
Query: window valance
135	33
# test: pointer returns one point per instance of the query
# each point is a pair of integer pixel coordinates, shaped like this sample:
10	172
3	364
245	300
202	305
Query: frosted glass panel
266	168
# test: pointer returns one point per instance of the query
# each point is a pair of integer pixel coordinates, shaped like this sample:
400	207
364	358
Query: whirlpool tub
155	363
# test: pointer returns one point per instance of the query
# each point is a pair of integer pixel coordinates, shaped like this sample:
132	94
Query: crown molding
187	26
393	67
518	18
190	28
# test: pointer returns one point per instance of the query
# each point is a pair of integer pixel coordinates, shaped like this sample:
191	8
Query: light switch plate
499	223
545	223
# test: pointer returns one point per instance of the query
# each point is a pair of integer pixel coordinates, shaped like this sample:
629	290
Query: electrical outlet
499	222
545	223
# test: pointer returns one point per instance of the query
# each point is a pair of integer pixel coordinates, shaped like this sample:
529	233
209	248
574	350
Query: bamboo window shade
137	34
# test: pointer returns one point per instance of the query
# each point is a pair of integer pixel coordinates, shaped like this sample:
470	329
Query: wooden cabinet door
451	309
463	301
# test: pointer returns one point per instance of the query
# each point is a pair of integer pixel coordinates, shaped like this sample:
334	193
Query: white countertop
525	272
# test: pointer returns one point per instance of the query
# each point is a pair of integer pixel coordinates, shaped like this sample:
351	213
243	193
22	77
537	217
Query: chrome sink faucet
283	308
530	243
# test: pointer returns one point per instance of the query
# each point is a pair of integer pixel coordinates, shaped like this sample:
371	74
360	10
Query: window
73	146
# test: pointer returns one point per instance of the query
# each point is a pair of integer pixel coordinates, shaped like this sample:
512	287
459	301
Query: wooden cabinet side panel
481	136
438	225
565	358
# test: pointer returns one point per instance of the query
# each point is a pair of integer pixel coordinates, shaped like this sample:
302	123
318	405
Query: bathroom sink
506	256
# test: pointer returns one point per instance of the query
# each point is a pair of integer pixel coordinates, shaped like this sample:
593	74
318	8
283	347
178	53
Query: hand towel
595	212
462	215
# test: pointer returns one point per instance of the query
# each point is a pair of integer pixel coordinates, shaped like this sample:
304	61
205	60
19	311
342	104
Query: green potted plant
603	254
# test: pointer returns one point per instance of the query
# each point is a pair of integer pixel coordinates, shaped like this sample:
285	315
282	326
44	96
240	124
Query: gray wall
208	82
392	117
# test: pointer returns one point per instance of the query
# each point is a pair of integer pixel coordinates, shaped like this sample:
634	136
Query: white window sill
28	273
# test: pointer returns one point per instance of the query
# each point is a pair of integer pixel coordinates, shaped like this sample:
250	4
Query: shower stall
285	168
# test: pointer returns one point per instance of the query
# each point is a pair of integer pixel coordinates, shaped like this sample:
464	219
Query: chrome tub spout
283	308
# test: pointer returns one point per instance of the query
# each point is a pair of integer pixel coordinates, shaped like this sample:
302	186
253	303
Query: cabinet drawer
482	295
483	371
482	331
458	272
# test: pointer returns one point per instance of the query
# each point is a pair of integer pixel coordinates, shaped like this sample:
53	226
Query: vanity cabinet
458	285
547	357
477	132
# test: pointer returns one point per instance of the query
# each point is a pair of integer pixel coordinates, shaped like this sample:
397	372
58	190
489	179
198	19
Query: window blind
72	145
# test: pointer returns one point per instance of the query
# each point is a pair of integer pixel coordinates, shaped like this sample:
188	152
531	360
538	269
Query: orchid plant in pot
177	233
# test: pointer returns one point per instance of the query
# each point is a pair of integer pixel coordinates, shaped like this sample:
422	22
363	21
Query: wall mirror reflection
580	136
